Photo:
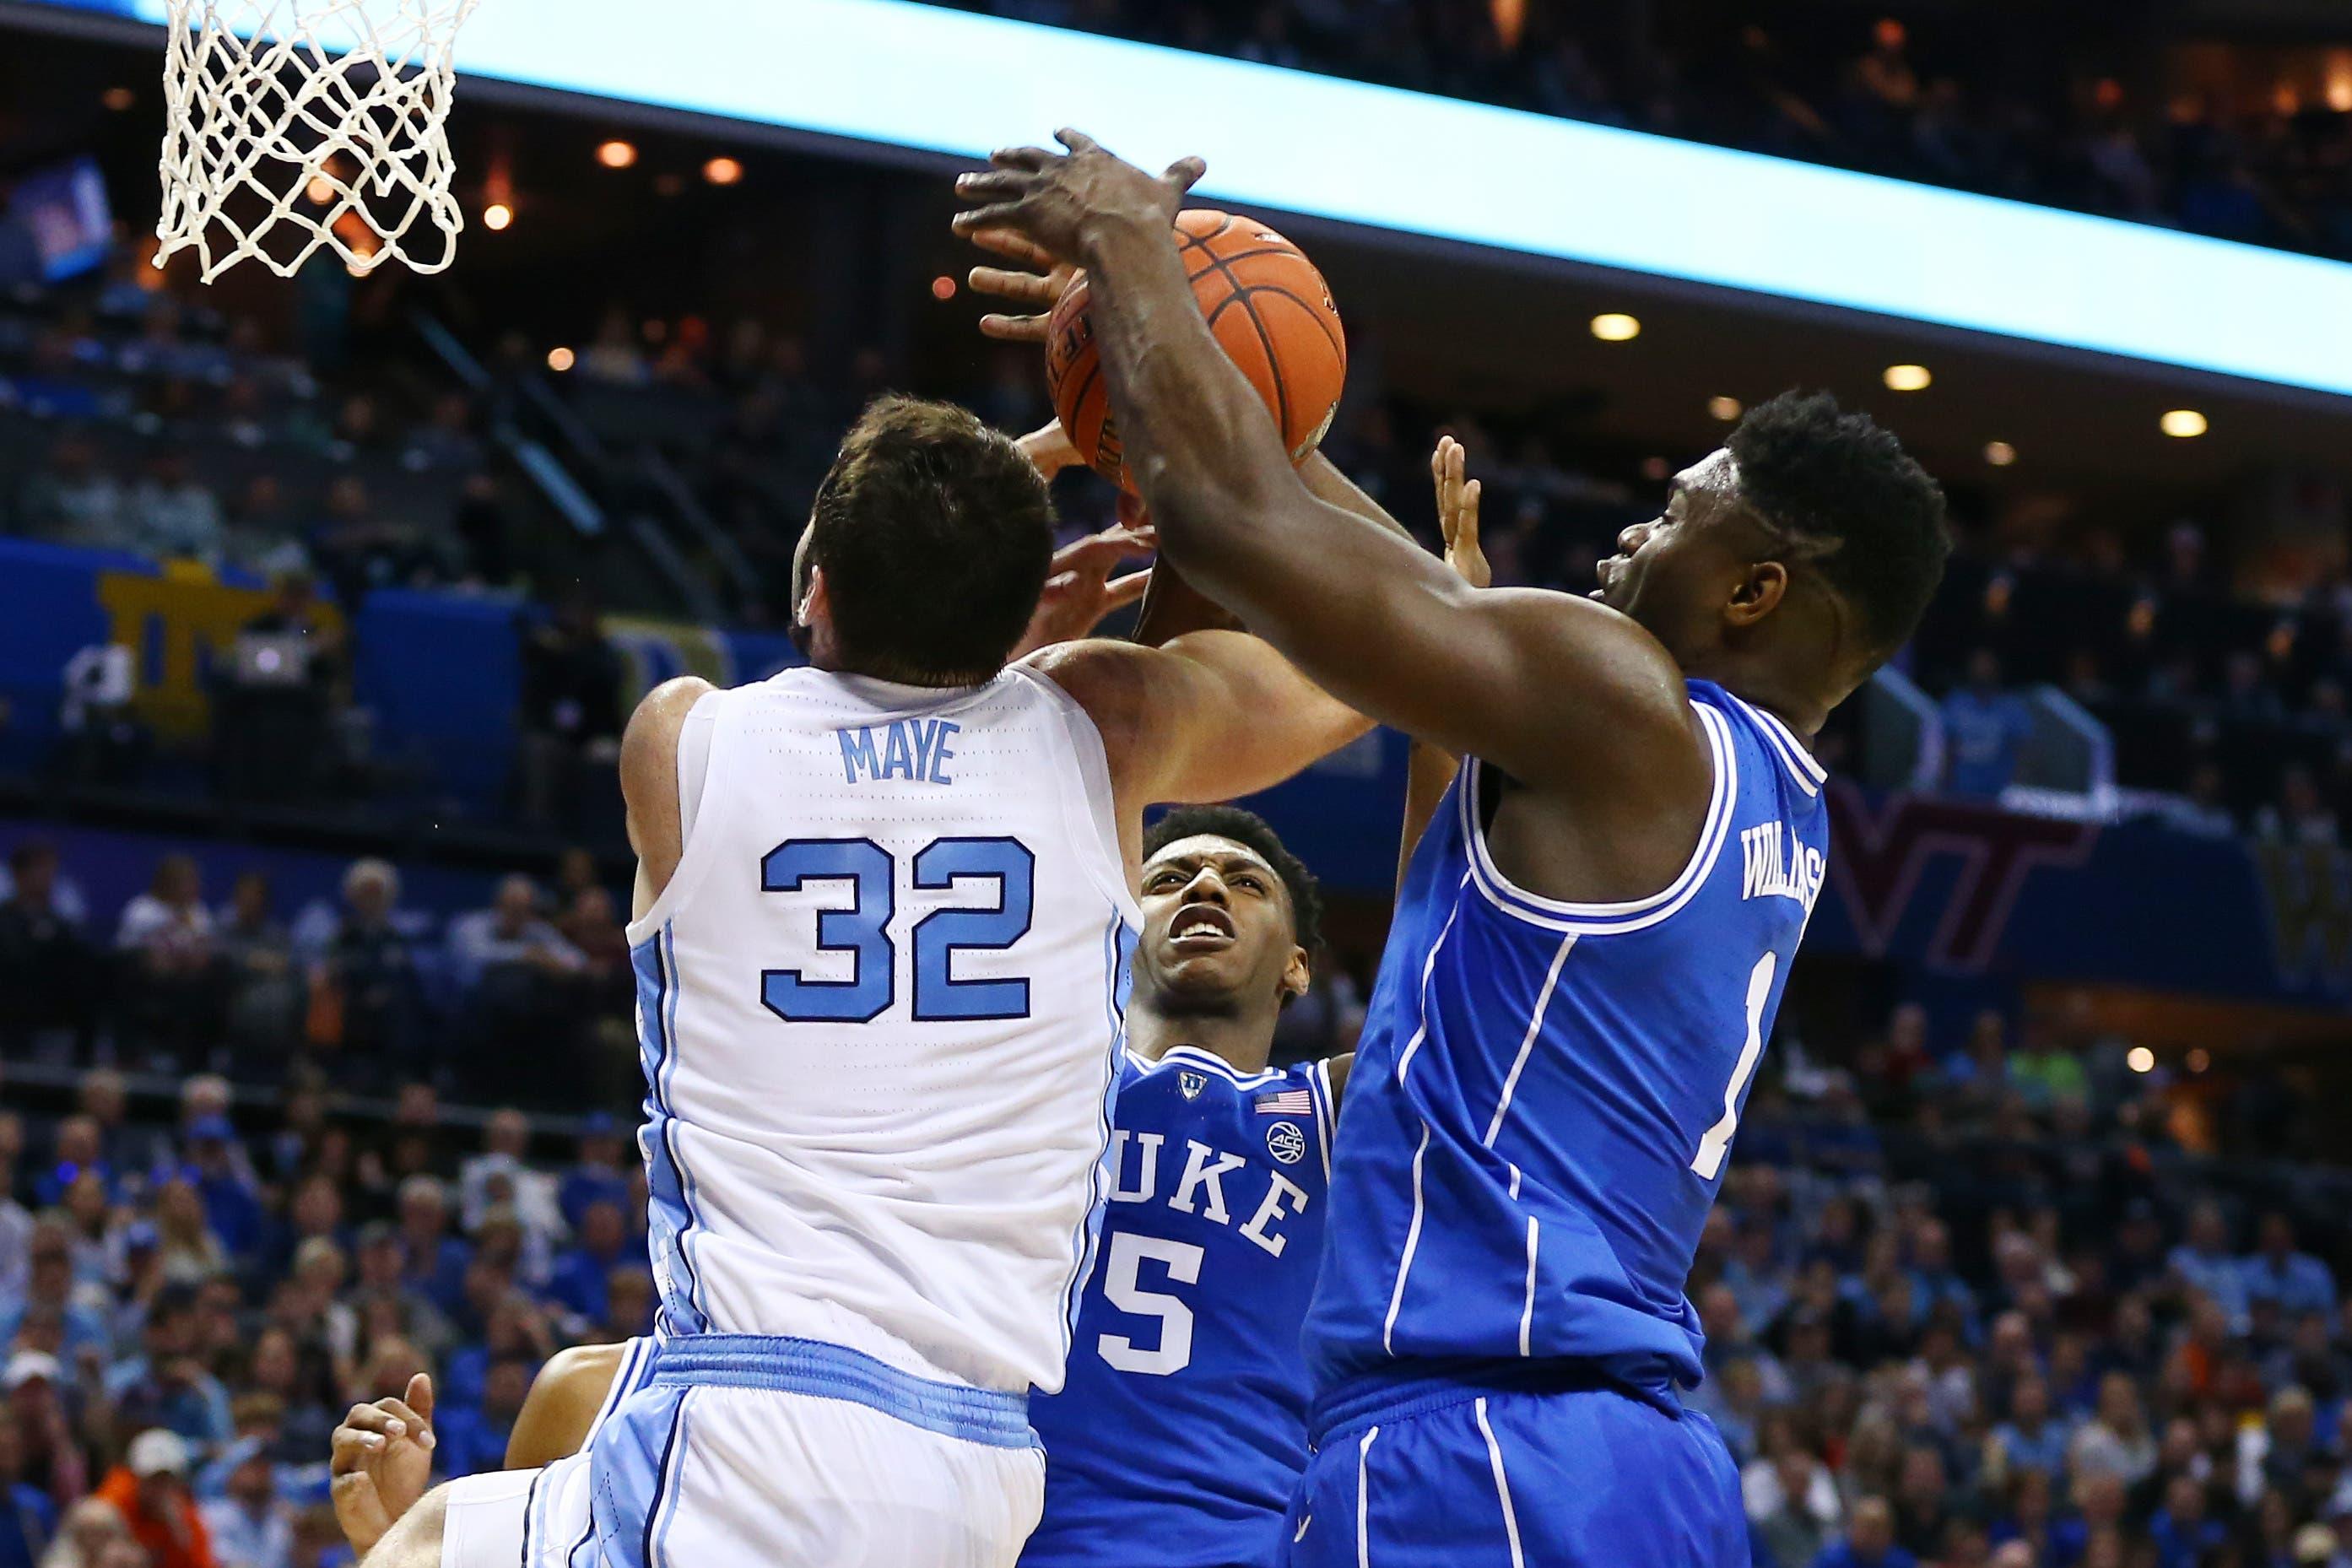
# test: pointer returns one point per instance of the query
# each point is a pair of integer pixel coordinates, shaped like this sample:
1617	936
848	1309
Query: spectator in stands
598	1174
2204	1263
72	499
2300	815
433	1261
265	998
571	708
165	1384
1869	1541
2277	1275
172	515
613	356
28	1517
150	1489
232	1200
582	1280
47	971
473	1438
1985	730
250	1525
522	982
501	1177
366	997
172	981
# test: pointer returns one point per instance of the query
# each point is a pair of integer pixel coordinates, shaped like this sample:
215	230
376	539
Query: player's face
1675	573
1216	921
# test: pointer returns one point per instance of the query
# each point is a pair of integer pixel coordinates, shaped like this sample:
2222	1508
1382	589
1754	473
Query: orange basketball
1272	314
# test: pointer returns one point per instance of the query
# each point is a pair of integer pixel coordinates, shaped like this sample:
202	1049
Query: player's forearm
1429	772
1270	720
1198	440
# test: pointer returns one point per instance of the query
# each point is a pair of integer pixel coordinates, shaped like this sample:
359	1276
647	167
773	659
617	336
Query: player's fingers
1013	329
994	185
1185	173
1076	141
1029	158
1021	288
1003	214
371	1418
1126	590
1466	523
405	1422
1015	246
351	1449
420	1396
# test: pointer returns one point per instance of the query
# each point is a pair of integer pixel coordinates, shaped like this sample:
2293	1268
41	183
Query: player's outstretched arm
1210	716
1555	690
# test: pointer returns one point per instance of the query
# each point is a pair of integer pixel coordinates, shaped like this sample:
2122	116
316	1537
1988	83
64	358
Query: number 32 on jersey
862	928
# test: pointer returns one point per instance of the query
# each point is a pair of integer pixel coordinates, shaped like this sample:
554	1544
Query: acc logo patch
1285	1142
1192	1083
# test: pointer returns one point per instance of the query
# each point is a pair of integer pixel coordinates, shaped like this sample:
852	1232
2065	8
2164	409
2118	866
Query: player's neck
1240	1039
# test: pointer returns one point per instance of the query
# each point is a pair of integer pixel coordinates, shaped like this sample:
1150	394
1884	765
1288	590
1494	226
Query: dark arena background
323	601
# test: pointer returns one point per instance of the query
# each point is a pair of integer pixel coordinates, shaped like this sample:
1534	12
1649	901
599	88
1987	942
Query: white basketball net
297	125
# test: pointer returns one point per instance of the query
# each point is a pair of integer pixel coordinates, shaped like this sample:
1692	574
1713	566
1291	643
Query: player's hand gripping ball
1270	310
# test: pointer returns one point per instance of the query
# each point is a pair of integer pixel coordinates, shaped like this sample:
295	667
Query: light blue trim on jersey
669	1184
779	1363
1609	920
635	1479
1118	951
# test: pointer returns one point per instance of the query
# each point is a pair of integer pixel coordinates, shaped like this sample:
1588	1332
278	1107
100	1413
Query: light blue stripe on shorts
825	1370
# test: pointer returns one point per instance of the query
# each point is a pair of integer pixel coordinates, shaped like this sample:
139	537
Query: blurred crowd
1997	110
365	990
192	1292
1987	1289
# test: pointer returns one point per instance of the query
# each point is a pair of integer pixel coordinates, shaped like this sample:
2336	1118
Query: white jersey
879	1014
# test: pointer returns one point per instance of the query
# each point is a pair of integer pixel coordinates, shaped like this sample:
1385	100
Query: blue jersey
1182	1428
1545	1092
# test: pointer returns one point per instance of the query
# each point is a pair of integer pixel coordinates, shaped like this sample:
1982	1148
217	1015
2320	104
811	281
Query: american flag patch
1289	1102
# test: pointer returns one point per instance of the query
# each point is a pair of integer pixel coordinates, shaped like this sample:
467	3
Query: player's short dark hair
934	532
1253	833
1865	514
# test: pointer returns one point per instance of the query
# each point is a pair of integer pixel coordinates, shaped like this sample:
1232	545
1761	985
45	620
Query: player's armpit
649	781
1212	715
563	1405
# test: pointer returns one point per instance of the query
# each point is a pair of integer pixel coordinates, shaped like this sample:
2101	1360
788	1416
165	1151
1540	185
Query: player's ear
813	600
1296	975
1758	593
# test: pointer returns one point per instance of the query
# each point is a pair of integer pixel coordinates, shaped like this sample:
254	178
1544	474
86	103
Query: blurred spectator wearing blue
2204	1263
582	1280
433	1261
28	1517
251	1526
1985	729
165	1384
2294	1282
1869	1541
232	1202
597	1174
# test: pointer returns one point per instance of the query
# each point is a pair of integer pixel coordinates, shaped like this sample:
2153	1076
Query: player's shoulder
1109	680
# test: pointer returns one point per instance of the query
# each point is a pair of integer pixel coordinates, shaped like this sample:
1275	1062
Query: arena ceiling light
2183	424
1725	409
2000	453
1616	327
723	171
1907	378
616	153
912	75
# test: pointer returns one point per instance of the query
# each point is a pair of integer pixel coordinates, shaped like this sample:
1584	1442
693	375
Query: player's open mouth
1199	928
1605	573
